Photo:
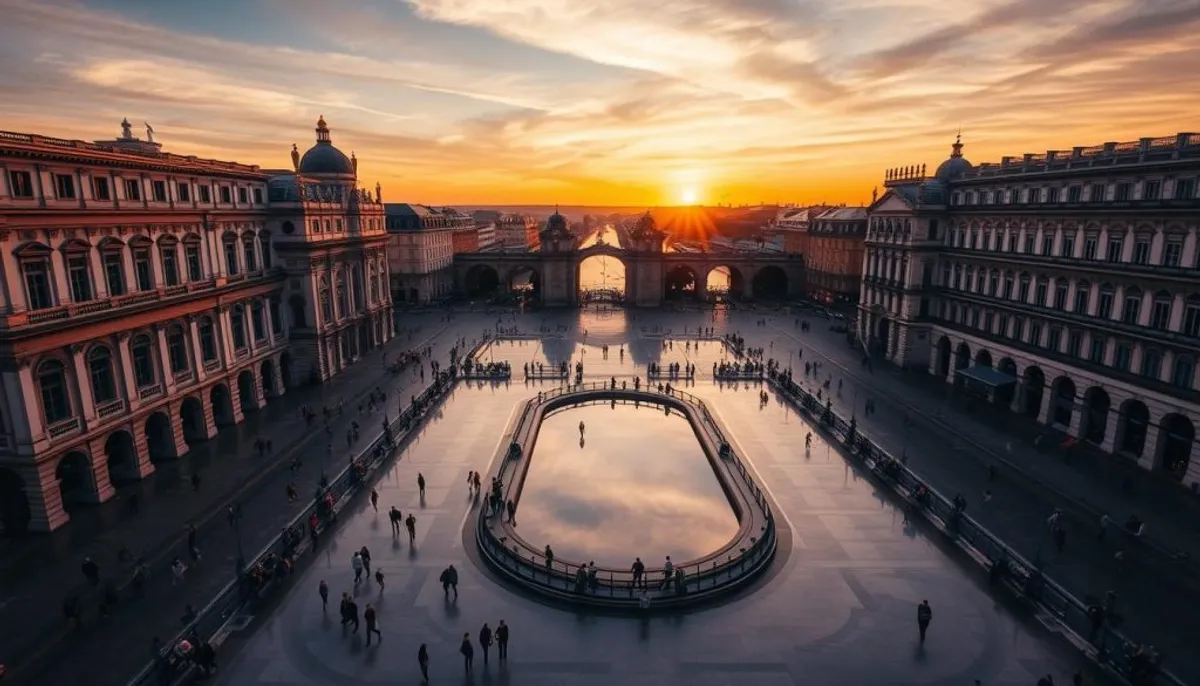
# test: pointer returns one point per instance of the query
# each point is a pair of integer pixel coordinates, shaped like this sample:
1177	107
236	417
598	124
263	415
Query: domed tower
556	237
646	236
323	159
955	166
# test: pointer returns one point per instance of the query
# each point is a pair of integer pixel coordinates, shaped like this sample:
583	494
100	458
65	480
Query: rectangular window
1096	352
1052	195
1074	344
1032	195
1054	339
114	273
1023	291
258	198
1030	240
183	191
1082	296
1141	251
1160	316
242	196
1048	244
226	195
64	186
177	352
987	321
1122	358
1074	194
231	258
1116	246
21	183
170	266
37	284
100	188
133	189
1068	247
205	194
1124	192
208	342
1018	330
338	224
1035	334
1152	190
1133	309
1090	244
1097	193
1003	328
1105	306
142	270
143	365
194	266
1060	297
1185	189
159	188
1039	294
1191	320
1172	254
81	283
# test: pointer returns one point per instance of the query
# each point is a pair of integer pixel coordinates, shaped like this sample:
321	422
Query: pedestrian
352	613
423	661
375	500
1104	521
410	523
323	591
379	579
372	624
924	614
468	652
502	640
395	517
366	558
638	569
485	642
344	608
356	563
421	484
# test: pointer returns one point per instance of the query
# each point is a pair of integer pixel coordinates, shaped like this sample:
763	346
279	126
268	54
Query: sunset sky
606	101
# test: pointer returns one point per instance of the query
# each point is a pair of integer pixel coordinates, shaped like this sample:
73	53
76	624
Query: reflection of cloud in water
641	486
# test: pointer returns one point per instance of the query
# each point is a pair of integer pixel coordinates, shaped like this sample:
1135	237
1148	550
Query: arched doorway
121	457
246	390
267	369
222	405
285	371
1096	404
883	334
1063	390
1005	393
481	281
681	283
943	357
76	482
525	283
191	416
1134	424
1034	387
724	281
160	438
14	504
770	283
983	359
601	278
1176	435
962	360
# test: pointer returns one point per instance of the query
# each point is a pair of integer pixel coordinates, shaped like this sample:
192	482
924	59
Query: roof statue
354	161
126	130
149	132
378	192
295	158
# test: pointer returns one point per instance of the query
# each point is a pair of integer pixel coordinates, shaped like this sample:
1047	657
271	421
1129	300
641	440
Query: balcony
212	365
151	391
110	408
62	428
184	377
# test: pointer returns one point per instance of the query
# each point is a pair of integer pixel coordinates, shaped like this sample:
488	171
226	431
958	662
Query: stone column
44	496
197	352
58	265
131	392
1044	411
33	412
83	383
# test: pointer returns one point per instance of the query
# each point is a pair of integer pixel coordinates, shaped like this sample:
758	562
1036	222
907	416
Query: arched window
1184	372
112	257
1009	283
208	338
143	266
56	400
1083	297
237	323
231	254
168	251
1160	312
38	275
177	350
1133	306
326	301
248	252
100	370
1151	363
142	351
191	255
76	253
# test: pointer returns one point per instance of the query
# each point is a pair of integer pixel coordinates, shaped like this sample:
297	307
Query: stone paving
838	608
39	572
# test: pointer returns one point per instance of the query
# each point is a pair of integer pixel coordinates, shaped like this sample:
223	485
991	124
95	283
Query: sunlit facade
833	259
1064	286
144	308
421	248
517	232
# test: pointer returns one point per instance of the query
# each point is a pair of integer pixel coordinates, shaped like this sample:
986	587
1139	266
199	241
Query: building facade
834	255
1064	286
791	226
517	232
421	250
143	309
465	240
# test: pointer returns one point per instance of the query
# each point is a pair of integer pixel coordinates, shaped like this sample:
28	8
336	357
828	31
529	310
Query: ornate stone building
834	257
1061	285
143	309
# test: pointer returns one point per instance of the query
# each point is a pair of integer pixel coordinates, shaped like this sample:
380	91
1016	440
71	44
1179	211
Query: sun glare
689	196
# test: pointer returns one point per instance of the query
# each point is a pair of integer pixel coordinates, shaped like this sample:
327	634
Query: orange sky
608	102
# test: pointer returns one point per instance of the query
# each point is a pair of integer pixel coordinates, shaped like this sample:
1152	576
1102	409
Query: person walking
375	500
352	613
344	609
468	652
366	558
379	580
356	563
924	615
502	640
410	523
372	624
421	484
395	517
423	661
638	569
485	642
323	591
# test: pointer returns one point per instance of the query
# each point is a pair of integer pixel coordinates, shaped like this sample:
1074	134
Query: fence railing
264	574
1113	649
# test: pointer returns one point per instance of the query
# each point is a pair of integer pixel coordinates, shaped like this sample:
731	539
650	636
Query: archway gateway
601	278
682	283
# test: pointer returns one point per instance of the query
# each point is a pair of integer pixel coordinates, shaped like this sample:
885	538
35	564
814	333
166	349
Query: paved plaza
839	606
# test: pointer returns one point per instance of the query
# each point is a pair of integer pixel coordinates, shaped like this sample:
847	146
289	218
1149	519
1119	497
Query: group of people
674	370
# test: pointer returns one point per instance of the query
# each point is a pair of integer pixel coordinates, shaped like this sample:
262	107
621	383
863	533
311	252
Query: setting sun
689	196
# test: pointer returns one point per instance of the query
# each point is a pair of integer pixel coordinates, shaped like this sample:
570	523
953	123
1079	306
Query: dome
955	166
323	158
557	223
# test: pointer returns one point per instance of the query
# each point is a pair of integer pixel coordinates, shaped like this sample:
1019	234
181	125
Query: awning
988	376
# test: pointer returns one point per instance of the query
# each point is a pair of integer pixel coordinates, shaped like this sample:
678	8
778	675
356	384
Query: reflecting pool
637	484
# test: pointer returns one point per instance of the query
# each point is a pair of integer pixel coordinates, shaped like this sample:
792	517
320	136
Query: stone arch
160	437
1063	401
682	282
525	281
613	274
191	416
246	391
481	281
76	480
1005	393
285	370
1176	437
962	356
222	405
728	277
770	282
120	453
983	358
269	383
15	512
943	357
1096	404
1133	426
1034	387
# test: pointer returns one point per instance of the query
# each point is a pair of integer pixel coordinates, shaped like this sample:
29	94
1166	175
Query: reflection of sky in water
640	486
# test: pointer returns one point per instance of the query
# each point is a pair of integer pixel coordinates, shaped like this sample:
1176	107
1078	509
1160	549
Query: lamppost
235	518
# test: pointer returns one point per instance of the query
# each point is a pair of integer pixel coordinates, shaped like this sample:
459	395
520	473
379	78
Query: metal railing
1113	649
